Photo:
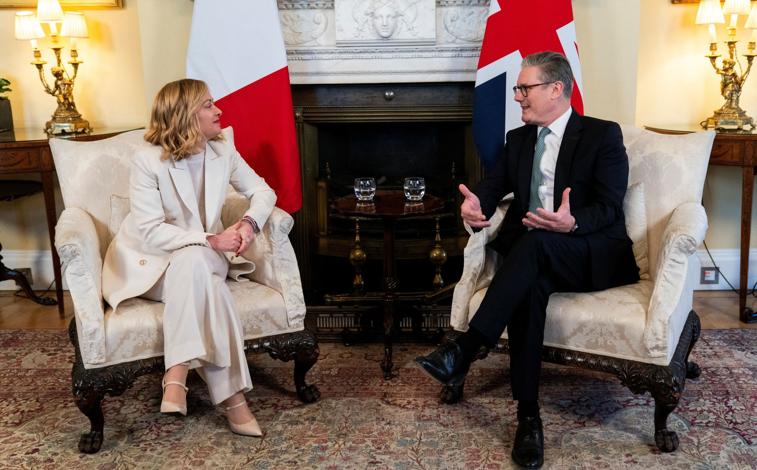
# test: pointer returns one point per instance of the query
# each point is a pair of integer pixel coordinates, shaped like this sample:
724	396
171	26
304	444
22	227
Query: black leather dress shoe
446	364
528	449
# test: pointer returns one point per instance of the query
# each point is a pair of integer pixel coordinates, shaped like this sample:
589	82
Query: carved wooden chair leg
303	362
90	403
669	383
692	368
665	439
301	346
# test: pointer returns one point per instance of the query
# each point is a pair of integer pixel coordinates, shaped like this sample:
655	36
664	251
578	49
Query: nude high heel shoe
250	428
171	407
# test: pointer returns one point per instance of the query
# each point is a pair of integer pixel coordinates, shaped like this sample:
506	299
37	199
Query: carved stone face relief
385	21
385	16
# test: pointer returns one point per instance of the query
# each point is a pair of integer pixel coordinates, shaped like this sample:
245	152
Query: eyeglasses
523	89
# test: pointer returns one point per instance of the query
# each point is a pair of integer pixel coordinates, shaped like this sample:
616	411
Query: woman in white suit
173	248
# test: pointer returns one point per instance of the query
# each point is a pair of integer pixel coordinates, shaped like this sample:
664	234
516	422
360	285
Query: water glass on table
415	188
365	189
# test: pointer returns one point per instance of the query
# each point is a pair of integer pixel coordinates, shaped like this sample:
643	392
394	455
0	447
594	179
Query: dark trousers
537	264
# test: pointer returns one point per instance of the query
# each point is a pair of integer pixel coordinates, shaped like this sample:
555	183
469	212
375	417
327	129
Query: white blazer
165	215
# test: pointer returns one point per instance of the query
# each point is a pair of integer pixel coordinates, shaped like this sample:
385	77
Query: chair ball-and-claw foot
90	442
692	370
452	394
308	393
666	440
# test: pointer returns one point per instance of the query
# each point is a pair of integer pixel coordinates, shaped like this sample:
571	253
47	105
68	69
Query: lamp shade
27	26
710	12
737	7
74	25
49	11
751	22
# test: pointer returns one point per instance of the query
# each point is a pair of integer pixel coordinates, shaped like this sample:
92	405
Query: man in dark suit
564	231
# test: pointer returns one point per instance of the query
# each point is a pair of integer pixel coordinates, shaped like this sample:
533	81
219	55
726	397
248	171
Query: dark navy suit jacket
592	161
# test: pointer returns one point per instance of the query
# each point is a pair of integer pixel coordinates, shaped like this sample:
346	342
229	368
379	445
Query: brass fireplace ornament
730	117
66	119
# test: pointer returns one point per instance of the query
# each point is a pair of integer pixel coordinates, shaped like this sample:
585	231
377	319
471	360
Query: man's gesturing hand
470	209
560	221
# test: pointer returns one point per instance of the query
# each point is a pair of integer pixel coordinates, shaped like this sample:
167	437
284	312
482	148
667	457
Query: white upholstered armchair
641	332
114	348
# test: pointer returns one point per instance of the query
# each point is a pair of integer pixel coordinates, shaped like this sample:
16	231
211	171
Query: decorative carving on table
664	383
89	386
438	257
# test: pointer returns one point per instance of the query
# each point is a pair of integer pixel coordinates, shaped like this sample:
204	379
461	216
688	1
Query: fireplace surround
387	131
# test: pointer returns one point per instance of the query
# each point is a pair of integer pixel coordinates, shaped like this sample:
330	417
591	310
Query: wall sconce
730	116
66	119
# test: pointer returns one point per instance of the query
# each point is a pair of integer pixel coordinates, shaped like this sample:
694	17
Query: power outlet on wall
709	275
27	272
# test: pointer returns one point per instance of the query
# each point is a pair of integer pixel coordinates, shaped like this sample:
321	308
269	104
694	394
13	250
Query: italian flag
236	47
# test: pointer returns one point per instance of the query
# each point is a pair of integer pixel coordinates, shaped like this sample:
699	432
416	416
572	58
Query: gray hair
554	67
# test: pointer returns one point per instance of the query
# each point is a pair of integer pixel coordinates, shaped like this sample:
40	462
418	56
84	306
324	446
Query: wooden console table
732	149
26	151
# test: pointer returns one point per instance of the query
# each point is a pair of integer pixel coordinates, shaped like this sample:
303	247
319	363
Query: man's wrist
575	225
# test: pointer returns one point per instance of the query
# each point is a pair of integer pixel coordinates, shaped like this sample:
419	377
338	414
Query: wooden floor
717	310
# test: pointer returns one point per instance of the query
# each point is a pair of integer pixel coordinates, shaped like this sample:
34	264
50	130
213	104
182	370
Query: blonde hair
173	121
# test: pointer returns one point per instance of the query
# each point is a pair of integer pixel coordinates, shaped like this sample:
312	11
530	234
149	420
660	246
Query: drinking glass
415	188
365	189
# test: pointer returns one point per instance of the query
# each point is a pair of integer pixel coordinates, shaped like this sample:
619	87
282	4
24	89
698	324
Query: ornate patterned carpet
363	421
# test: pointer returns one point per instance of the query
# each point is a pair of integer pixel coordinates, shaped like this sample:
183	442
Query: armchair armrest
79	250
479	265
272	252
683	233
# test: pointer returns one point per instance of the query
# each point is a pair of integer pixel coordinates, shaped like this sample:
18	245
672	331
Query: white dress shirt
549	159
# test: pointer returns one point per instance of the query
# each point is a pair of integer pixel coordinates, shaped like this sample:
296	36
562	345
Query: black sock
470	342
528	409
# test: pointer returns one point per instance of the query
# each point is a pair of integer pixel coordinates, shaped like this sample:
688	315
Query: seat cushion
136	330
607	323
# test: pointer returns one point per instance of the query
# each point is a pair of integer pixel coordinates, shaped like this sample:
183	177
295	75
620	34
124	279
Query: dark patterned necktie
533	200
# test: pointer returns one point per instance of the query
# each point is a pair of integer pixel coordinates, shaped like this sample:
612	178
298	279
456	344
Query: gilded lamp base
729	120
67	125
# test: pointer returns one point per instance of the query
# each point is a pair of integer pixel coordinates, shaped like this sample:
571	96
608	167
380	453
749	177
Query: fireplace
388	131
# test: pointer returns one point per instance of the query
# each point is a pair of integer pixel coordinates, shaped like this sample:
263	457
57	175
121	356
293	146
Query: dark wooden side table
388	206
26	151
736	149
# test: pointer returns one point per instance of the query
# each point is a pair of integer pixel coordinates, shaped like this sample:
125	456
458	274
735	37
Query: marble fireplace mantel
382	41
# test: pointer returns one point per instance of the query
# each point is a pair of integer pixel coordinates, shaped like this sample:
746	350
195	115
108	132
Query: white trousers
200	324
